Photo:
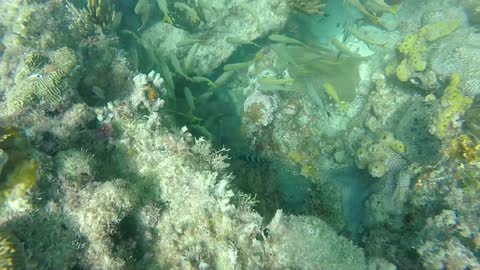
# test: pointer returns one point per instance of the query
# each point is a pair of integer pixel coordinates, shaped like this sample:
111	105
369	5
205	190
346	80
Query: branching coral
309	7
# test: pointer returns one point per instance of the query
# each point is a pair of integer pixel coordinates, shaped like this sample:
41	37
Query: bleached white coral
145	87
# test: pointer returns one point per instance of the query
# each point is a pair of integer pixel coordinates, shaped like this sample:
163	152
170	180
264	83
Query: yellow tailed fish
201	79
189	12
176	66
361	36
238	66
344	49
163	6
187	62
222	79
189	98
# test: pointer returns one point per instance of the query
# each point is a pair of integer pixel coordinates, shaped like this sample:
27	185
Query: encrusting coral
415	46
453	105
375	155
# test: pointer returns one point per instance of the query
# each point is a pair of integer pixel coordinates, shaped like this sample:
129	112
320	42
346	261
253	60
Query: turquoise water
245	134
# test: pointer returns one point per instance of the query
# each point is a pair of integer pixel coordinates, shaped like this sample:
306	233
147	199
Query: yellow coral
408	43
19	170
463	148
453	104
403	71
414	47
377	169
434	31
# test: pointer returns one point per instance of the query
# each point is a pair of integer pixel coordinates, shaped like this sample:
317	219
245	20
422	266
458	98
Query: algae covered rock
300	242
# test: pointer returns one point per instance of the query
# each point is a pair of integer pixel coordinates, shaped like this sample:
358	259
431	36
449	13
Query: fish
189	98
163	6
222	79
142	9
331	91
187	61
286	40
167	76
315	97
361	36
282	52
252	157
379	6
205	5
275	87
363	10
189	41
99	92
203	98
239	41
176	66
275	81
201	79
344	49
237	66
191	14
202	130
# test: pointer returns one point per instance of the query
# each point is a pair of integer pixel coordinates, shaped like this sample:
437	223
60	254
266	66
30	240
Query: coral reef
415	46
46	78
453	105
375	155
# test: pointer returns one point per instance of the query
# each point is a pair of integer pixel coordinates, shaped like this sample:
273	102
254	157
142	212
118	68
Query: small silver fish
237	66
189	98
239	41
201	79
285	40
